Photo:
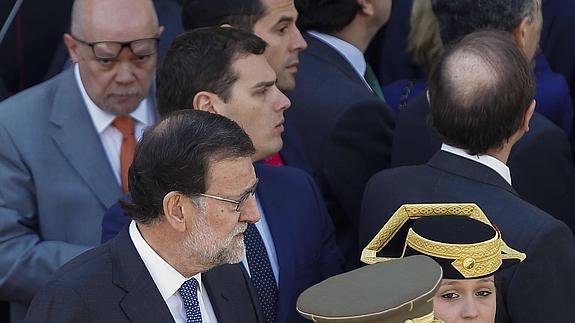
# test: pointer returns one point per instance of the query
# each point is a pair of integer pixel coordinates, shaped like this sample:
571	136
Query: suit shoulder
540	125
285	174
86	269
30	101
398	174
327	81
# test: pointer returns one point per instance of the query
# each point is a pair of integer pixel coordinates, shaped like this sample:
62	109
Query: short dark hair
326	16
176	155
480	91
207	13
201	60
458	18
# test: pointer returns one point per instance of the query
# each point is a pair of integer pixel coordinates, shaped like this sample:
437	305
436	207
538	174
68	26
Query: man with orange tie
66	144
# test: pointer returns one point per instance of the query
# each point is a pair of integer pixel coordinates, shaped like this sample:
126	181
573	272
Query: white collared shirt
110	136
351	53
265	233
168	280
486	160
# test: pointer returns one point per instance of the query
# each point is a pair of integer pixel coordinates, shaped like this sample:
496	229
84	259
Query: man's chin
122	105
286	83
236	256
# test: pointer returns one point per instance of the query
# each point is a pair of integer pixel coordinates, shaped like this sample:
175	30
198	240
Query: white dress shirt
169	280
486	160
264	230
110	136
351	53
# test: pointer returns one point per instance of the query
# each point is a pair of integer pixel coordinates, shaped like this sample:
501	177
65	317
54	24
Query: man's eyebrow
250	189
264	84
284	19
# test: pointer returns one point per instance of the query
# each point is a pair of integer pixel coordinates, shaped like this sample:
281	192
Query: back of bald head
480	91
83	11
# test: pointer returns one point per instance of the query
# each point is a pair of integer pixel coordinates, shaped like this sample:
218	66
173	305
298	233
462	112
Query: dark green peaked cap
396	291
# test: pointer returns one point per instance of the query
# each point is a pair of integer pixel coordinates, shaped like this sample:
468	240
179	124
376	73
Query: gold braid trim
471	260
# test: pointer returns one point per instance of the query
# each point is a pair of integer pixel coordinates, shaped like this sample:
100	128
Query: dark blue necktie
261	272
189	293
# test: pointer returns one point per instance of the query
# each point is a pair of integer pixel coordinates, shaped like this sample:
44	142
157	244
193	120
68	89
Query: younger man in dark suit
338	109
481	97
184	223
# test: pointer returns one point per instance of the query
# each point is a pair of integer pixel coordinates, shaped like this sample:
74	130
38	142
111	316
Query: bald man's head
114	44
480	91
87	13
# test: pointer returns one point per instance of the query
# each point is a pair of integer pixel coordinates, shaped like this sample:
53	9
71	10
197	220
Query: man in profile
192	184
274	21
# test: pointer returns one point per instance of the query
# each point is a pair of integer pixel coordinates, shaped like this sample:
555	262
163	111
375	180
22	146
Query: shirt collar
486	160
103	119
167	278
351	53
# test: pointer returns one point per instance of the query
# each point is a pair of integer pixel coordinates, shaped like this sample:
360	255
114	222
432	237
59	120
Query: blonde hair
424	43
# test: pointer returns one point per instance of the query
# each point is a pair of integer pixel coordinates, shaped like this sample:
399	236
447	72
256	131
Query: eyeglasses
111	49
240	203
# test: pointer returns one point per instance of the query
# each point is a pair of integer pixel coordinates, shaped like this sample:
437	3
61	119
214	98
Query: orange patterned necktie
125	124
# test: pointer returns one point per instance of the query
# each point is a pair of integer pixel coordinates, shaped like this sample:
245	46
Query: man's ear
206	101
367	7
528	115
520	33
161	31
72	47
174	210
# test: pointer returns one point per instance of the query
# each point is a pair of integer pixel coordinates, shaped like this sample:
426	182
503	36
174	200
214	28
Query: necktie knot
125	124
189	293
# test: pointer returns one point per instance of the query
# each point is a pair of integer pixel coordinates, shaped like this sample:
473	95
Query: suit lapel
463	167
325	52
292	152
222	285
77	139
282	234
143	301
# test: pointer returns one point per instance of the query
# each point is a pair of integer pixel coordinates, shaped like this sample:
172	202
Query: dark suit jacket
346	132
301	230
292	152
548	243
386	52
111	284
556	36
553	97
541	162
